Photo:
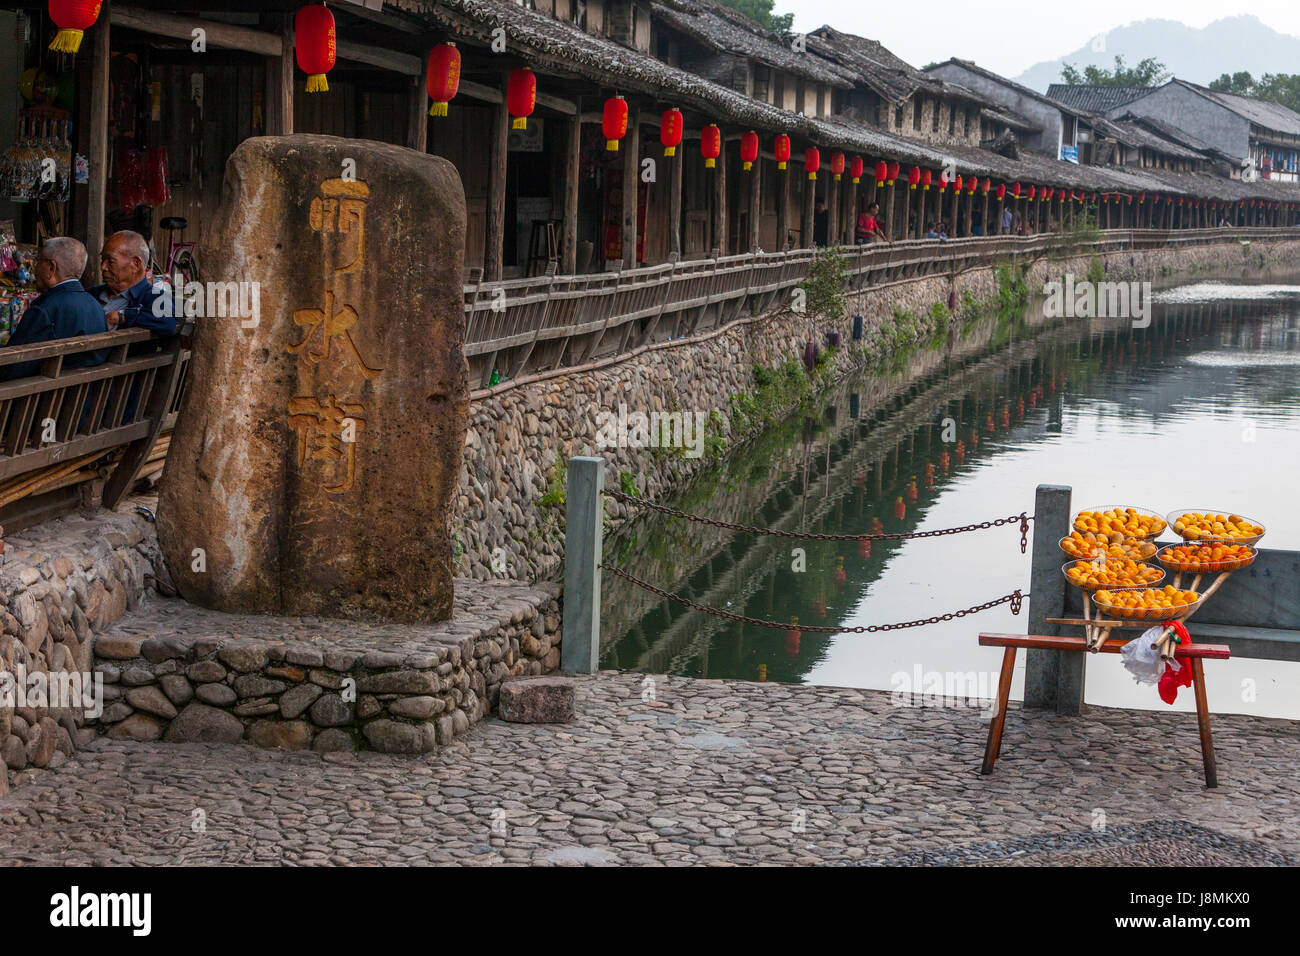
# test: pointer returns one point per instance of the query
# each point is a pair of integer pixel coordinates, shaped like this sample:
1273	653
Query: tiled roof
1095	99
1263	113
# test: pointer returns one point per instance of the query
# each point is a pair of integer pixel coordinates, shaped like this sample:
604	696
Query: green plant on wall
827	277
555	495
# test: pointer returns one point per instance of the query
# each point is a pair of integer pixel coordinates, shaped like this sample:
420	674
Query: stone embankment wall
509	520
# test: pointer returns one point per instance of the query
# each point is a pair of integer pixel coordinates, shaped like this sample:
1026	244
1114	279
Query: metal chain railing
1024	519
1015	599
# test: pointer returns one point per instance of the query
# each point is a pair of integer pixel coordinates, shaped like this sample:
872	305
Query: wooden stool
543	245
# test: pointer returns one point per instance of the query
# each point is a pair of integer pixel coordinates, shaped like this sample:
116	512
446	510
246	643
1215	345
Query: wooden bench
1194	653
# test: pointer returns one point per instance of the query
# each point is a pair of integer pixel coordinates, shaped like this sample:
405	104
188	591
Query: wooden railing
521	327
63	419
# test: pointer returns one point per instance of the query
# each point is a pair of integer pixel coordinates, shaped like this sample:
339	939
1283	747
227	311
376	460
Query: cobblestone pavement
711	771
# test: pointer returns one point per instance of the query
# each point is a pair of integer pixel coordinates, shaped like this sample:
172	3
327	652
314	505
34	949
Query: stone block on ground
536	700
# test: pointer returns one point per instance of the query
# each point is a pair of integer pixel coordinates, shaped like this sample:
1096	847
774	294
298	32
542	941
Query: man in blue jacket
126	295
63	310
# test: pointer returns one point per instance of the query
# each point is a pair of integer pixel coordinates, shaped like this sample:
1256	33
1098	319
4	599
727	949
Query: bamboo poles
86	468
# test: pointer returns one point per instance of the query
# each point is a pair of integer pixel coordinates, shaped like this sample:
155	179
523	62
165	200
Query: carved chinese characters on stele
329	363
316	458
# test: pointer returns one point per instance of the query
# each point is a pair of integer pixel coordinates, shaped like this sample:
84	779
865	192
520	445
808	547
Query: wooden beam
720	201
97	188
216	34
569	214
279	82
477	91
678	160
631	147
417	123
755	203
391	60
493	253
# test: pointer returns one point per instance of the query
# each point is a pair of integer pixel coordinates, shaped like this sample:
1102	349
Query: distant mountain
1225	46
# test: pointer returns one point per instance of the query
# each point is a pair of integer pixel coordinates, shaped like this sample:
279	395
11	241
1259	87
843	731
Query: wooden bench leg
995	726
1203	721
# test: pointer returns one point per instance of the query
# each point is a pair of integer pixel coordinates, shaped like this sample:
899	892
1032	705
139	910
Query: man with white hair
63	310
127	295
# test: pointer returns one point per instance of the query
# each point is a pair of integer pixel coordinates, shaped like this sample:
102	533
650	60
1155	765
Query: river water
1201	409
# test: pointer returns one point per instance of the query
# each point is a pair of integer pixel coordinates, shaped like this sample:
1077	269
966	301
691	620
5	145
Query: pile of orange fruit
1206	557
1145	602
1123	521
1195	526
1088	544
1112	574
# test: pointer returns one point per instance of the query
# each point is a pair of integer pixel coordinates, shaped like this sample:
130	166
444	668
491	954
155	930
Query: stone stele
315	461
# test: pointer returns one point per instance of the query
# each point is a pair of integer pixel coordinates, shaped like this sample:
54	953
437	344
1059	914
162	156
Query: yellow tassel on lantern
316	83
437	109
709	163
780	165
812	175
519	122
66	41
611	145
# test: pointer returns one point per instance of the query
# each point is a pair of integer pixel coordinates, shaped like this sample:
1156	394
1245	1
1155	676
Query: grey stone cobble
710	772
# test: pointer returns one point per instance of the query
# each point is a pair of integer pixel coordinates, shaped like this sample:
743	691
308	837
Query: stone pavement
710	771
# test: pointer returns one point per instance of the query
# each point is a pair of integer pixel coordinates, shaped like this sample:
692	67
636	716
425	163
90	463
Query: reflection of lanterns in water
792	639
900	509
840	574
911	489
877	526
988	422
762	673
974	439
819	607
1006	418
864	547
929	475
944	462
1020	408
960	449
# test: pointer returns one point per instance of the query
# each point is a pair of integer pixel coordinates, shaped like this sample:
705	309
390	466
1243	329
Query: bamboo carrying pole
86	468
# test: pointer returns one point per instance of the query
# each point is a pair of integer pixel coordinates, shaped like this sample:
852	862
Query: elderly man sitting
126	295
63	310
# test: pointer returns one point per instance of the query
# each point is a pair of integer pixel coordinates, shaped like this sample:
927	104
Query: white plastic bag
1141	657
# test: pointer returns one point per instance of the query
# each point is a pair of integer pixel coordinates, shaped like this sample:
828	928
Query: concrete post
1052	678
584	529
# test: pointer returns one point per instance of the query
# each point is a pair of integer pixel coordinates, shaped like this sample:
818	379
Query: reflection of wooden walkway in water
688	637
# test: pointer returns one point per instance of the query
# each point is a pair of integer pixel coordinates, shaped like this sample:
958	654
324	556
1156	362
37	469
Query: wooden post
97	188
832	212
809	209
279	82
755	202
417	124
569	213
1052	678
783	209
720	200
984	213
583	532
494	253
631	147
997	227
890	190
850	218
675	204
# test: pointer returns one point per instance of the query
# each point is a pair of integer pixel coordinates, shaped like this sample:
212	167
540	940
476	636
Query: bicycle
181	260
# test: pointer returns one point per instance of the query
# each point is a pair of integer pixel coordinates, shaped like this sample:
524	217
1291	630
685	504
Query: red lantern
893	173
957	184
710	145
1031	193
913	177
1015	191
972	184
855	168
837	164
812	161
749	149
1001	192
444	77
781	148
926	179
614	122
985	185
314	45
1142	197
73	18
943	181
670	131
882	172
521	97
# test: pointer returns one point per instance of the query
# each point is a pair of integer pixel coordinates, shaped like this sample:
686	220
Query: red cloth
1172	679
866	225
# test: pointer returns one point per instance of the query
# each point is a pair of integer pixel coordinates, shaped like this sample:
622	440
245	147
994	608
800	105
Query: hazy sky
1019	33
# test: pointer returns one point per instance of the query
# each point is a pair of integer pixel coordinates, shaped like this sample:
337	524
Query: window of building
952	120
916	113
898	117
934	116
